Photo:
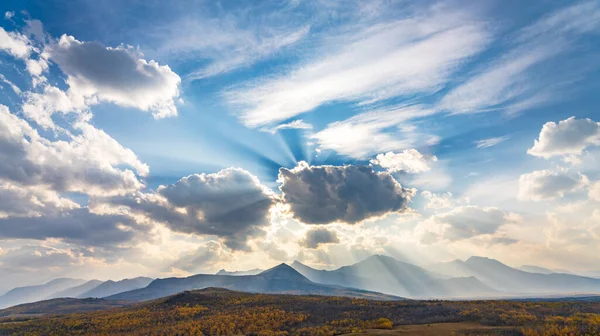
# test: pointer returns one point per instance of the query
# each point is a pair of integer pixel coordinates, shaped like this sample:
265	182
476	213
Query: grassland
224	312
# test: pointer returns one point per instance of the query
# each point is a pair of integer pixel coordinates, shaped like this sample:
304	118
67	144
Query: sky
148	138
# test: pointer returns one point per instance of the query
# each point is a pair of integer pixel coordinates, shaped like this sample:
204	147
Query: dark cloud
230	204
316	237
78	226
350	194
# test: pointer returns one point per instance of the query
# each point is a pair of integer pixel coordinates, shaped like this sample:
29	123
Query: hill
279	279
215	311
60	306
36	293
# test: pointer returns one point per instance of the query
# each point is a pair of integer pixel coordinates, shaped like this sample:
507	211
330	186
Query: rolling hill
75	292
60	306
280	279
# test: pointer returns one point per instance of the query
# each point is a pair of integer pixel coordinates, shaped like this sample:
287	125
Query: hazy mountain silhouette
388	275
75	292
279	279
248	272
110	287
536	269
514	281
36	293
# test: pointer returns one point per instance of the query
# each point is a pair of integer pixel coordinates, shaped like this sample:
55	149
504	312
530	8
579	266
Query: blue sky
444	99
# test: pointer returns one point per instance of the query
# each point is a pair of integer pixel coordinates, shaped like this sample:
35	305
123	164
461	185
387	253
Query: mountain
74	292
537	269
281	279
514	281
110	287
387	275
36	293
237	273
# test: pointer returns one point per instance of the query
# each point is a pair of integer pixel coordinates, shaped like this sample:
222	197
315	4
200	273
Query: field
222	312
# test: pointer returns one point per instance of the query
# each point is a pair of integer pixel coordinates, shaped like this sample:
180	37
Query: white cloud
89	162
463	223
296	124
414	55
16	44
568	137
438	200
408	161
490	142
363	135
118	75
508	83
594	192
27	202
543	185
41	106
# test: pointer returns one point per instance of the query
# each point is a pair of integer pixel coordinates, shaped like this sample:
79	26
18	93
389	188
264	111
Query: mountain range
377	277
281	279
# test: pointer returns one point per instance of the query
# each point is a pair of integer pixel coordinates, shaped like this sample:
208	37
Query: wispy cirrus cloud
416	54
490	142
509	83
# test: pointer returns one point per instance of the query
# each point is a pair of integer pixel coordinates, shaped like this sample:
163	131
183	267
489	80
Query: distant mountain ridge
110	287
387	275
237	273
281	279
36	293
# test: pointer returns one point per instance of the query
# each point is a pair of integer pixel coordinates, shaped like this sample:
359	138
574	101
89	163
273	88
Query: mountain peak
283	271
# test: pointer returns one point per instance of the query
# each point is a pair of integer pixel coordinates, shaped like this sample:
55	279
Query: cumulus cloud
89	163
231	204
594	192
543	185
437	200
118	75
316	237
463	223
408	161
349	194
568	137
28	202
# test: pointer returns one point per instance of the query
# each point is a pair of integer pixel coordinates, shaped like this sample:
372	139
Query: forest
216	311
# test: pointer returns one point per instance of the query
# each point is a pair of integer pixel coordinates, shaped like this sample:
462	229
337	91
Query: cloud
408	161
230	204
437	201
29	202
78	226
89	162
542	185
463	222
35	258
15	44
594	192
118	75
568	137
416	54
316	237
365	134
490	142
509	83
296	124
349	194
